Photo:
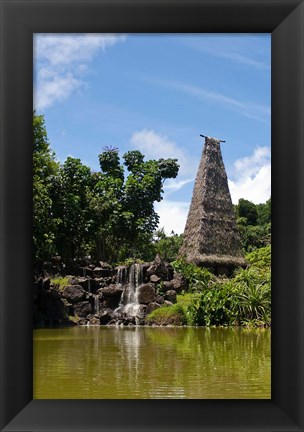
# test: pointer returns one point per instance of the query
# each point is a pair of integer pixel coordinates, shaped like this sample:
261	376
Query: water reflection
151	363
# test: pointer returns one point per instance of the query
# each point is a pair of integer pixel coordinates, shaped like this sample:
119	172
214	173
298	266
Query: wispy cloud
61	61
247	109
251	178
232	48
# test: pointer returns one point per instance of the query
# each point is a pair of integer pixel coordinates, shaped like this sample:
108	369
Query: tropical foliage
244	299
107	214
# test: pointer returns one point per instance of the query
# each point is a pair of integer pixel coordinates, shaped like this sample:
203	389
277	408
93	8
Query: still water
151	363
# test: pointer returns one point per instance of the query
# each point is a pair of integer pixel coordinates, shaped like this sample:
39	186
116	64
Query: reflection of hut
211	236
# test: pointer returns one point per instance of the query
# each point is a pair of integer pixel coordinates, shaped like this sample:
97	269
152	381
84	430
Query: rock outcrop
102	295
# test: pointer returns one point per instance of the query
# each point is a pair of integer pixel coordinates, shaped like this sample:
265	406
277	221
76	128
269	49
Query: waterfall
96	304
122	273
89	285
128	301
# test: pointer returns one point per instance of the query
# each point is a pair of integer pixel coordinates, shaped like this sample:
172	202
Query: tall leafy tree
125	206
72	208
247	209
45	174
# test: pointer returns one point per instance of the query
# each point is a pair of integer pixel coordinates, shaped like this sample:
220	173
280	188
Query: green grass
168	315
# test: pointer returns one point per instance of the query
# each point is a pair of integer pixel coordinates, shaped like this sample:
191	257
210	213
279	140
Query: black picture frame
20	19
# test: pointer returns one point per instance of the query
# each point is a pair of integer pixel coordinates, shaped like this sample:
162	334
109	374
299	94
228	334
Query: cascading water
128	303
96	304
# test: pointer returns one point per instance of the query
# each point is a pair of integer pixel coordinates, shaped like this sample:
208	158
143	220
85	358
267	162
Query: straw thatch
211	236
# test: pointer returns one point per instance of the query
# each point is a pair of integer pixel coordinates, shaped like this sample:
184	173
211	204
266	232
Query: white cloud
251	178
60	62
155	146
173	215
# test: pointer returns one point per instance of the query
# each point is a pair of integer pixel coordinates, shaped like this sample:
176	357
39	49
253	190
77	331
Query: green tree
167	246
264	213
123	207
247	209
45	176
72	207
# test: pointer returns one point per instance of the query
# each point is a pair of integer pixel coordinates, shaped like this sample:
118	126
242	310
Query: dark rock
82	322
142	311
168	303
55	293
110	296
35	291
111	291
94	321
87	271
105	316
146	293
167	286
82	309
73	280
46	283
48	308
86	282
158	268
151	307
160	299
171	296
105	265
101	272
74	293
154	278
179	283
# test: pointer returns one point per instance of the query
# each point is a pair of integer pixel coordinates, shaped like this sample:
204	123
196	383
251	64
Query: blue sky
157	93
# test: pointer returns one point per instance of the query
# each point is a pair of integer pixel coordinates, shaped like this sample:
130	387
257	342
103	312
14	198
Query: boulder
154	278
146	293
82	322
168	303
158	268
160	299
110	296
179	284
151	307
94	321
46	283
82	309
142	311
102	272
74	293
171	296
168	286
105	316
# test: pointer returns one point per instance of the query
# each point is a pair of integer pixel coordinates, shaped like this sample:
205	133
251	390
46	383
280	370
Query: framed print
20	20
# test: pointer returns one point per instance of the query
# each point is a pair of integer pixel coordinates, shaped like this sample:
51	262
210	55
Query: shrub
168	315
61	282
242	300
197	277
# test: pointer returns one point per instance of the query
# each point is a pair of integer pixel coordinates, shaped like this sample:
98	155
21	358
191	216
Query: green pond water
152	363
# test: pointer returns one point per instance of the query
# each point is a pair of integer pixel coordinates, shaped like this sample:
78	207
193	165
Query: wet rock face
99	295
82	309
110	296
74	293
146	294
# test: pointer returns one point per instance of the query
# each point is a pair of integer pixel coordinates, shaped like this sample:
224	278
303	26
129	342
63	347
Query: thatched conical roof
211	237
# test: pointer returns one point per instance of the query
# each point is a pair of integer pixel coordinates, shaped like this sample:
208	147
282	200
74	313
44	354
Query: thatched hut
211	237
